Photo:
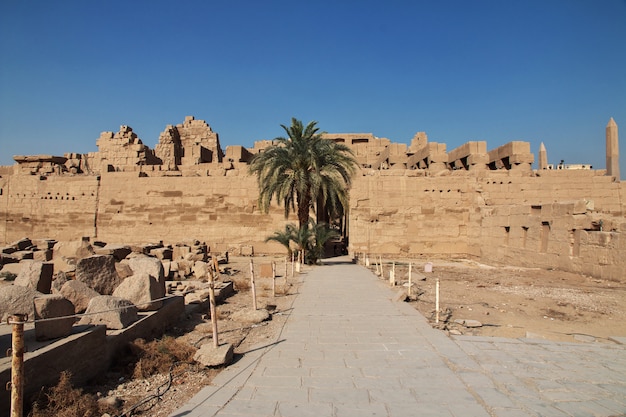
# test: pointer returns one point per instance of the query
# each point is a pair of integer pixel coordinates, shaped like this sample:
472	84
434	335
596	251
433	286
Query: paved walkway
348	350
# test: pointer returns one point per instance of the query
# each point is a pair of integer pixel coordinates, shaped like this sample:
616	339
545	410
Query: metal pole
273	279
252	285
17	364
437	301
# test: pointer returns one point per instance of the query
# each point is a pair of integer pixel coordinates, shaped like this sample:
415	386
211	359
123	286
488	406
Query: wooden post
292	264
410	267
273	279
252	285
285	269
437	301
392	274
382	270
17	364
212	308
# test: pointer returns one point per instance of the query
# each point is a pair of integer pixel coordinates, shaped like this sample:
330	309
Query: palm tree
301	170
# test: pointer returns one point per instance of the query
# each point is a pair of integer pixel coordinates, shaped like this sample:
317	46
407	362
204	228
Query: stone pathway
348	350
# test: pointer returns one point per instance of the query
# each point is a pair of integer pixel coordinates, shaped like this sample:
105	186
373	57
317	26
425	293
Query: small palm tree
301	170
321	234
285	237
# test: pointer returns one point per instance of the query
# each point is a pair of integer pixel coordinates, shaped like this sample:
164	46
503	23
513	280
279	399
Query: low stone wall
88	352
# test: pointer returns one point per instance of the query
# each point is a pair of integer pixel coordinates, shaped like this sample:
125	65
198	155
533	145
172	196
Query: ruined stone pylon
543	157
612	150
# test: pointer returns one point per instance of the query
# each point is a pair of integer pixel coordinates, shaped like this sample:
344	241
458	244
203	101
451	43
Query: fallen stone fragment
79	294
119	252
99	273
208	355
141	289
36	275
53	306
15	299
143	264
250	316
116	313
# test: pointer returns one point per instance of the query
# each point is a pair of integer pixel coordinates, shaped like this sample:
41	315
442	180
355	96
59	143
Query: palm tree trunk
304	207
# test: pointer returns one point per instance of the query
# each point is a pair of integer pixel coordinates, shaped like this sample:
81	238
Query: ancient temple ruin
416	200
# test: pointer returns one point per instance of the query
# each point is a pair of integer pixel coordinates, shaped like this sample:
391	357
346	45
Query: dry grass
158	356
64	400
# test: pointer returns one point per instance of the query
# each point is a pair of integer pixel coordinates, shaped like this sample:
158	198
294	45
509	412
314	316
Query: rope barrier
98	312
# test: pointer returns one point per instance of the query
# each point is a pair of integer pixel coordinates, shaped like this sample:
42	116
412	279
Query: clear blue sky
532	70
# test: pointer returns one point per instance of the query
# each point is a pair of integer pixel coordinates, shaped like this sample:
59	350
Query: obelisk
543	157
612	150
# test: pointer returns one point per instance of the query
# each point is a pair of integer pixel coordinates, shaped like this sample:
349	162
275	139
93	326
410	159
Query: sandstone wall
220	210
47	207
397	212
551	221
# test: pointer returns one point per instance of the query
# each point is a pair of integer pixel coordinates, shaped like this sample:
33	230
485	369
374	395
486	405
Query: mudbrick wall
416	201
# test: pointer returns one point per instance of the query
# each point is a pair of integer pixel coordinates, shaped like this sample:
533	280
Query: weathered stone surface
119	252
42	255
21	255
52	306
78	293
36	275
197	296
13	268
22	244
142	264
141	289
123	269
58	280
208	355
75	249
162	253
116	313
250	316
201	270
99	273
15	299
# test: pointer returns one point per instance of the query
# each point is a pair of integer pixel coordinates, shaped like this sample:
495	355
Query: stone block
78	293
113	312
15	299
162	253
250	316
141	289
208	355
142	264
53	306
99	273
119	252
42	255
201	270
36	275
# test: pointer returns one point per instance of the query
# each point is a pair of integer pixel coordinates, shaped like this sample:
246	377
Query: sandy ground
507	301
518	302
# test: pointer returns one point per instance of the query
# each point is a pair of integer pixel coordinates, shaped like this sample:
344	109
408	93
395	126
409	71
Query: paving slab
347	349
